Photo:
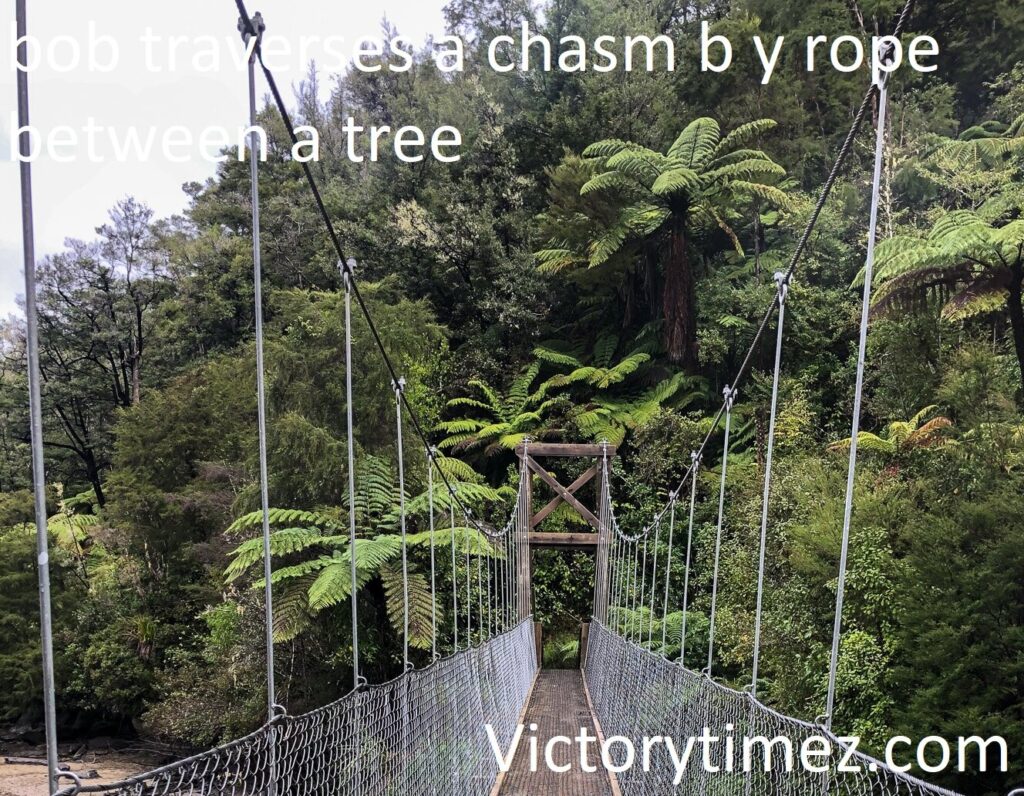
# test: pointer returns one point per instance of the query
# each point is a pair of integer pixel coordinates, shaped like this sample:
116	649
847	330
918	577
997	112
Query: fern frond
607	148
696	144
681	180
744	134
608	180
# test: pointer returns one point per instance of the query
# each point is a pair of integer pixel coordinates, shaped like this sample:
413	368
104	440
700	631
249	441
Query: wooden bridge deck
558	706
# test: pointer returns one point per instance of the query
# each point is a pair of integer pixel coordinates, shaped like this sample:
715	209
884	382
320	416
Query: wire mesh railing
421	734
638	694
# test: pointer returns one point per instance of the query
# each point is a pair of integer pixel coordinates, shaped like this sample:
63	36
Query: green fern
636	203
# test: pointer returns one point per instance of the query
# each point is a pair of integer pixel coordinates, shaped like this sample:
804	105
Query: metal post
782	287
35	404
857	396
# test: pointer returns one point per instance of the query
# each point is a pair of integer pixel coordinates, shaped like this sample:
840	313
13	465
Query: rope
479	597
35	403
730	397
783	288
345	263
654	577
346	276
433	580
694	464
858	395
668	569
399	388
638	694
261	400
469	598
455	585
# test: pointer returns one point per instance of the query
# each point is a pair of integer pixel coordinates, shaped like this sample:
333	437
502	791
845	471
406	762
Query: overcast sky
71	199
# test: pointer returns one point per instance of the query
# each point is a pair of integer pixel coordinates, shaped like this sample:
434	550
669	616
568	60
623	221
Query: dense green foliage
521	297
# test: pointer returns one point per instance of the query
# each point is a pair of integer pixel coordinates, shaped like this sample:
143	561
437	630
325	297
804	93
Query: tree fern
642	203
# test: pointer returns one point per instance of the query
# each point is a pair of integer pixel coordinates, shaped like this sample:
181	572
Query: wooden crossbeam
570	541
564	493
563	449
572	488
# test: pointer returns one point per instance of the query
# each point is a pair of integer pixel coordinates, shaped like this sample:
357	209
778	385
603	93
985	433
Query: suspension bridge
456	726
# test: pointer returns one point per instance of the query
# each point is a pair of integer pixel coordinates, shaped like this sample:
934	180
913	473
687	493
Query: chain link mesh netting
422	734
638	694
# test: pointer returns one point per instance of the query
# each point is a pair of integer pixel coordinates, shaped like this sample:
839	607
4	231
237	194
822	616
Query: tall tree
663	201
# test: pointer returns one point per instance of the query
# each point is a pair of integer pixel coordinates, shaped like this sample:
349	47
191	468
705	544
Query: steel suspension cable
28	242
469	598
694	467
782	285
399	388
455	579
325	217
261	400
433	580
350	450
668	569
730	397
857	396
654	578
635	622
643	594
798	252
479	595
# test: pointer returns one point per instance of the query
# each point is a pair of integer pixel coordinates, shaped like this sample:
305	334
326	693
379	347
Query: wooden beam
567	496
573	487
541	539
563	449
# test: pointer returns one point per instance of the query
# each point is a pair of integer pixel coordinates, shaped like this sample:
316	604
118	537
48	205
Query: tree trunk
679	303
92	472
1013	302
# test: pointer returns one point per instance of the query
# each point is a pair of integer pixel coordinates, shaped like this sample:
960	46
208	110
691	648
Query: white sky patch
71	199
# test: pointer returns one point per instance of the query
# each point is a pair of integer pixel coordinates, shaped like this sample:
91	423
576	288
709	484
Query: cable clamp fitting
782	286
398	386
730	397
347	269
886	57
246	28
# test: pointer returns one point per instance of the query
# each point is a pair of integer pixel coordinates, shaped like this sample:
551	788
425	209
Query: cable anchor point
782	286
729	393
347	269
886	57
247	27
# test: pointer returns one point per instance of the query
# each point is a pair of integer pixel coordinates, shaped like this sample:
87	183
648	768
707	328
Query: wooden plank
563	540
573	487
599	732
568	497
500	779
563	449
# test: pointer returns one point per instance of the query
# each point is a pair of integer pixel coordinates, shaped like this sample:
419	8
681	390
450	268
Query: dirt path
30	780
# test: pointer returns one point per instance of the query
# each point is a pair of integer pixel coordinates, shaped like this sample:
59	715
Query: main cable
345	265
794	261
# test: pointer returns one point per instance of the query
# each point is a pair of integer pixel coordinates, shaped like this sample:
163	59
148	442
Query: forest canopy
592	268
